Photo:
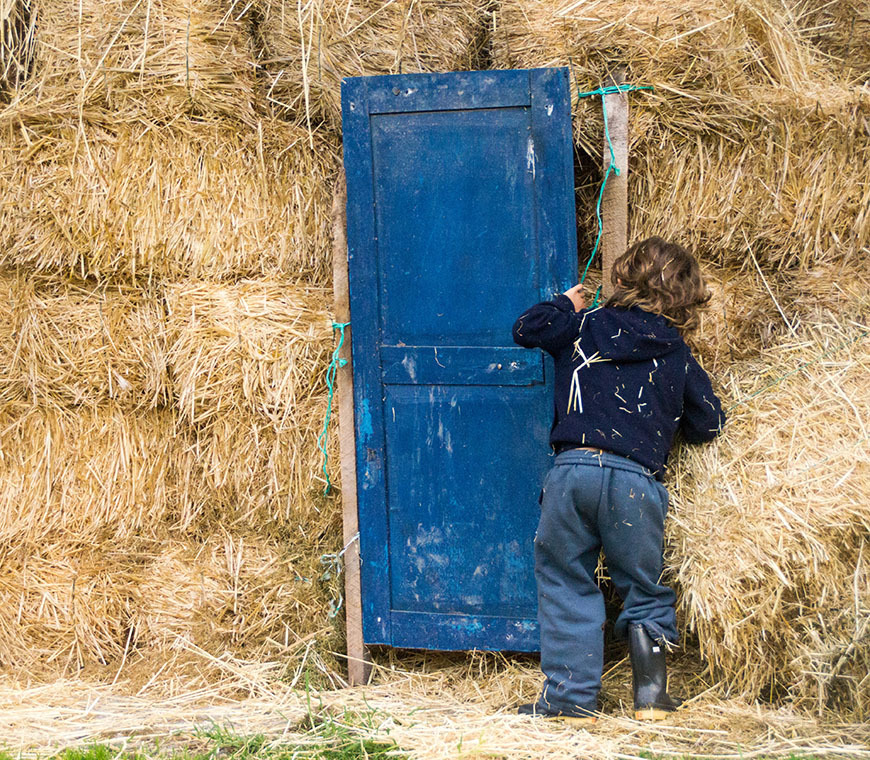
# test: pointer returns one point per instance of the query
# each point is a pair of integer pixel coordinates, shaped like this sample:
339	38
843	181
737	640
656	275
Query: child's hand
577	296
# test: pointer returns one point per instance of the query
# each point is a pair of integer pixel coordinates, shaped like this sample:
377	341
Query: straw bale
308	48
228	591
263	472
752	310
841	30
255	347
88	475
124	60
768	531
67	602
85	602
738	323
115	536
248	363
76	343
795	191
187	200
715	58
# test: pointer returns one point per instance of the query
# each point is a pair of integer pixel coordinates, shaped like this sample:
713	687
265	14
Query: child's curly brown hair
662	278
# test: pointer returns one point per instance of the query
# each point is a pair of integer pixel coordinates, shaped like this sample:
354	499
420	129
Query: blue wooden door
460	214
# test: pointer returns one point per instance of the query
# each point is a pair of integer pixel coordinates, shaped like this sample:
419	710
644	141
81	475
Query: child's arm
551	325
703	417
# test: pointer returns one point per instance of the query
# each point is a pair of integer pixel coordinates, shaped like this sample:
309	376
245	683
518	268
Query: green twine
612	168
613	89
331	371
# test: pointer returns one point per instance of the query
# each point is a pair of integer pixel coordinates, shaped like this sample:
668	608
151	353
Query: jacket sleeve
551	325
703	417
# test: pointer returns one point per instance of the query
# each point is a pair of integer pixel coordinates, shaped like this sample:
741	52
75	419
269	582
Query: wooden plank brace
614	200
358	660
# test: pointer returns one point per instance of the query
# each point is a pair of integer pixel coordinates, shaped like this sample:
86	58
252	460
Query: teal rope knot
334	363
334	564
613	89
612	168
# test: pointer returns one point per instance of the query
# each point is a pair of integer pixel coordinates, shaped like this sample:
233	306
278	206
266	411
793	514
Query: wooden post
614	201
358	662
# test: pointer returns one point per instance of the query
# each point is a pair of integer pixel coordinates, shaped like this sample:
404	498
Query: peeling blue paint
469	625
365	420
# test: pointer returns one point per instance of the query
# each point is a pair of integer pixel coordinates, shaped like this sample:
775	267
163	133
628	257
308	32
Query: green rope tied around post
331	371
612	168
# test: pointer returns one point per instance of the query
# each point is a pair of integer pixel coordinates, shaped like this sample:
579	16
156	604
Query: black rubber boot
579	717
649	675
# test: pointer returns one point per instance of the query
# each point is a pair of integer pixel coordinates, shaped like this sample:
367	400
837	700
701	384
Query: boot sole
574	721
653	714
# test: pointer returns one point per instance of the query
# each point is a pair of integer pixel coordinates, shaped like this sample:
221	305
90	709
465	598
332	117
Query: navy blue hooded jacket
625	381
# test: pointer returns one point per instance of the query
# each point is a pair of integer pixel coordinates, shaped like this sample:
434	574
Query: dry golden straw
753	310
432	707
747	128
227	591
92	481
256	347
85	476
309	47
187	200
769	525
125	60
248	364
17	24
839	29
78	343
150	597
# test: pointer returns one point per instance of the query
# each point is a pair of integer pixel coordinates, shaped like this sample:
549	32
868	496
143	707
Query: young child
625	383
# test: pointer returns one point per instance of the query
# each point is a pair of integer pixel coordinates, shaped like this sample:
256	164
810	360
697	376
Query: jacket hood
633	334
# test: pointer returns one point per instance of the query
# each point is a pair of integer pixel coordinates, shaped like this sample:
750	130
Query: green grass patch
324	741
327	740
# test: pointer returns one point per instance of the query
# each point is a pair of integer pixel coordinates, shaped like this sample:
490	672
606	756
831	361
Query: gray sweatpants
589	501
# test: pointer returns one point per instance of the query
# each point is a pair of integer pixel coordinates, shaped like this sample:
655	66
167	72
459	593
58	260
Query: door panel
439	172
461	365
457	436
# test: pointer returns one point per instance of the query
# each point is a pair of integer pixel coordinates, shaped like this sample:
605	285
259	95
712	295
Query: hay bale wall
307	49
124	60
167	171
748	136
164	281
188	200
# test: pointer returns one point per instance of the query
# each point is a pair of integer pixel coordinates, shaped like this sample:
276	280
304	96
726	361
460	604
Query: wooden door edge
358	659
